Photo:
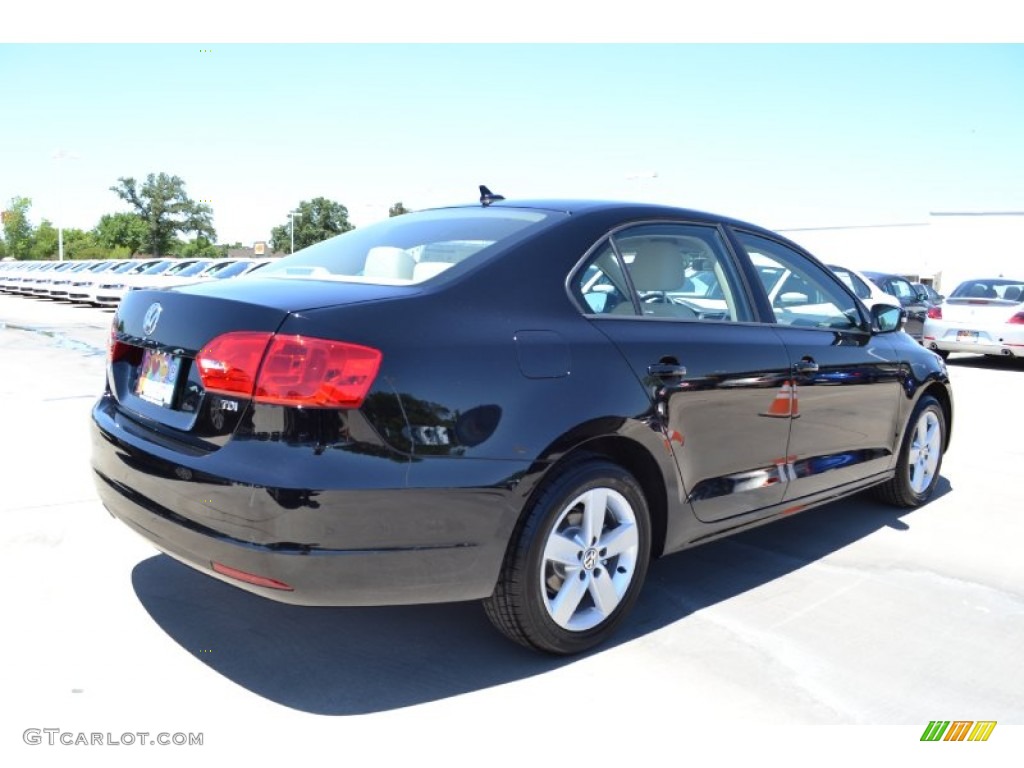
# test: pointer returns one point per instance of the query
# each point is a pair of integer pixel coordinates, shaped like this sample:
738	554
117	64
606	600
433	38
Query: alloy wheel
589	559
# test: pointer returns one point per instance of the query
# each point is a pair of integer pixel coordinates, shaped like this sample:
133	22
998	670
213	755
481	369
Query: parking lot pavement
852	614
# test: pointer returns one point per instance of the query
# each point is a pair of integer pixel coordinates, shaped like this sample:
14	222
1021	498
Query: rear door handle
806	365
667	370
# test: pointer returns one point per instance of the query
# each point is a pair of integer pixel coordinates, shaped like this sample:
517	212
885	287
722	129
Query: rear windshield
994	288
410	248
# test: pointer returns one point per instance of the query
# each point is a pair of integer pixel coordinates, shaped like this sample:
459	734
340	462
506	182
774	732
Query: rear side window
667	271
411	248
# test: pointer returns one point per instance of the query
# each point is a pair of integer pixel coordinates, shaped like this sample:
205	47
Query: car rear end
241	432
234	440
980	317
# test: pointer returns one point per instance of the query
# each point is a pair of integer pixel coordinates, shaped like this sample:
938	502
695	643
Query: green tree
18	235
200	248
397	210
100	253
317	219
44	242
166	210
77	243
122	230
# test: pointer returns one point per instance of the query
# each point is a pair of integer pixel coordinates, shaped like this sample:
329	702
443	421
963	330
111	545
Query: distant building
944	250
254	253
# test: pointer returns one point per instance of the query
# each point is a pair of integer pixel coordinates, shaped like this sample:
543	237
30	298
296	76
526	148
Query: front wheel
920	459
577	563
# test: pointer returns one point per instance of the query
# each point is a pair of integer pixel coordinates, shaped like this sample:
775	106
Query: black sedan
516	402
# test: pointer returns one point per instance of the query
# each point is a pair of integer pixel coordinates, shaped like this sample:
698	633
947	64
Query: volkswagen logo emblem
151	319
590	559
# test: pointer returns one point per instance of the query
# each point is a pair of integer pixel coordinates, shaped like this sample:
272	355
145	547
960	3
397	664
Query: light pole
291	217
60	155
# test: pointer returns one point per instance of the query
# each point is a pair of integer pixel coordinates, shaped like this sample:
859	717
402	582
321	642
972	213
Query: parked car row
104	283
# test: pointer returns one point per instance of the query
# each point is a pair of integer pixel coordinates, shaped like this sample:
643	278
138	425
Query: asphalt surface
854	614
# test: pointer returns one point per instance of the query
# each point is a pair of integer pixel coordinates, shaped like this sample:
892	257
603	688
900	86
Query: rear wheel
920	459
577	563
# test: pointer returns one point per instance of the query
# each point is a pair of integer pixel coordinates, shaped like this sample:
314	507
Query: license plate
966	335
158	375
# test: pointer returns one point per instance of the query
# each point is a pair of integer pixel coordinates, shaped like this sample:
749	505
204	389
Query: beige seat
657	267
390	263
425	270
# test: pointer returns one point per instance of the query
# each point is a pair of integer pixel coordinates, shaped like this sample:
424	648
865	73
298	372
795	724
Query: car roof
584	205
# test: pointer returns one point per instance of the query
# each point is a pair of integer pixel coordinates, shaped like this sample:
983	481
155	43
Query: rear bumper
1007	343
1002	350
340	545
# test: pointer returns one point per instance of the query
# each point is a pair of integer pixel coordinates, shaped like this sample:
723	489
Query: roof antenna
487	197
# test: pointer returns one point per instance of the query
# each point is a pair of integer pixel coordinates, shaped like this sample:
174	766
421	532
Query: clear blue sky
782	135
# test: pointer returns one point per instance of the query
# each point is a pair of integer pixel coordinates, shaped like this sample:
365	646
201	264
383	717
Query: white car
178	272
78	288
861	285
60	284
111	287
984	316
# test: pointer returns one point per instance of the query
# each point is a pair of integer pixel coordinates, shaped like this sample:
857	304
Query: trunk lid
975	311
157	335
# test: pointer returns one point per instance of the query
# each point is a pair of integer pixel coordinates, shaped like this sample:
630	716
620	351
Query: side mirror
886	318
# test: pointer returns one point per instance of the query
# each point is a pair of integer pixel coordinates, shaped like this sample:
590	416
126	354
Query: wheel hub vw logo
590	559
152	318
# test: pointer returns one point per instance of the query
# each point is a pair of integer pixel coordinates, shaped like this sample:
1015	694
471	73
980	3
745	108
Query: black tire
549	558
920	459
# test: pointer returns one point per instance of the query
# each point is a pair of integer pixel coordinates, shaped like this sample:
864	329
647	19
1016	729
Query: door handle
667	370
806	365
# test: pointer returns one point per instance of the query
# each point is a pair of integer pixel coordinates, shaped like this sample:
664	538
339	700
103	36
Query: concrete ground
854	614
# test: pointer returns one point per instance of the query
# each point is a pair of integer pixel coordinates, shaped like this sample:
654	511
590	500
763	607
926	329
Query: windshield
410	248
226	269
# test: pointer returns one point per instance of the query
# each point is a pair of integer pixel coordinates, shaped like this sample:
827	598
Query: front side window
668	271
800	291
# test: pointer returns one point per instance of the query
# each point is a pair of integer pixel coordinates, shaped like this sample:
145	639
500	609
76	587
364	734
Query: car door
845	381
670	297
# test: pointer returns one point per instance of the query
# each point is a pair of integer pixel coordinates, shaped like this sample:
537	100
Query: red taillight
1017	319
228	365
289	370
935	313
118	350
299	370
